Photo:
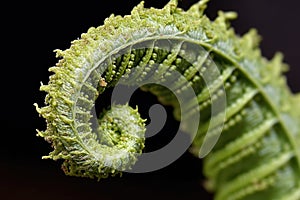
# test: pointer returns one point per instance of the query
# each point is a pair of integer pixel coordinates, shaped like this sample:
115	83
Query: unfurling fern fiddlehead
257	155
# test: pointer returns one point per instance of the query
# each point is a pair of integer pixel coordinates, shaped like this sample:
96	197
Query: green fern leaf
257	155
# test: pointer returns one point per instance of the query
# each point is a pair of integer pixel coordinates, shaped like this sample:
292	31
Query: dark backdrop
32	30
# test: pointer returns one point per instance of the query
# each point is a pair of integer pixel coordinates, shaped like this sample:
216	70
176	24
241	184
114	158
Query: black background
30	31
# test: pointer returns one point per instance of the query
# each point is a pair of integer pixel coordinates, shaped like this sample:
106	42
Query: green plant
257	154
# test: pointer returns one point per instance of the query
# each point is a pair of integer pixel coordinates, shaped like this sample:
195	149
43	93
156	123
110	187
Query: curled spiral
196	66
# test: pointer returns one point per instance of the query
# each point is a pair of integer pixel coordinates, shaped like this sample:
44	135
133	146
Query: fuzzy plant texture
257	155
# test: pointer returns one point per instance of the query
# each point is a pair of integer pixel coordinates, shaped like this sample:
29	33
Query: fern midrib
211	48
265	97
